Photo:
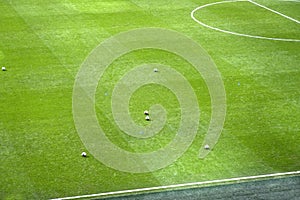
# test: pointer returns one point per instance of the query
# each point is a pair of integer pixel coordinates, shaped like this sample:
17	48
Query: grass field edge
183	185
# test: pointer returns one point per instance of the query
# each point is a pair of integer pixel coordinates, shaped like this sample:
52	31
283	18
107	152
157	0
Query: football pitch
220	80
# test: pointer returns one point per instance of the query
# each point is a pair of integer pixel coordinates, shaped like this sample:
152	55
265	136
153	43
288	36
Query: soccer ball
155	70
146	112
206	147
3	69
83	154
147	118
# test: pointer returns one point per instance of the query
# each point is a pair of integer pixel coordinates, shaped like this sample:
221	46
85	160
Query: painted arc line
231	32
178	186
93	68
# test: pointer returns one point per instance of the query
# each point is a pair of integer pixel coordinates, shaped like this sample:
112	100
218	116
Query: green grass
43	44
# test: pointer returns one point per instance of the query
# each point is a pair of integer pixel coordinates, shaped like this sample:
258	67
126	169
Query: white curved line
234	33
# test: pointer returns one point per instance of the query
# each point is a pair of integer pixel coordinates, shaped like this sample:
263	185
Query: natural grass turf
43	44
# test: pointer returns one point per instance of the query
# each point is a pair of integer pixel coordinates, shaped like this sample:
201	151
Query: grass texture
44	43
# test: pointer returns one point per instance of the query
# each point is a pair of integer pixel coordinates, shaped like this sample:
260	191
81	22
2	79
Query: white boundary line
274	11
178	186
235	33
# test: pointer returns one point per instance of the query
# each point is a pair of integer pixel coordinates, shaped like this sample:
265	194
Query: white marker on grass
83	154
3	69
